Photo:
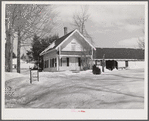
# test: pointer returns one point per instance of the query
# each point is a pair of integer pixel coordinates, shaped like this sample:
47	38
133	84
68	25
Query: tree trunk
18	52
8	50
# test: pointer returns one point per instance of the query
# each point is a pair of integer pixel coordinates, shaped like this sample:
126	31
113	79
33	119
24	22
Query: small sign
34	75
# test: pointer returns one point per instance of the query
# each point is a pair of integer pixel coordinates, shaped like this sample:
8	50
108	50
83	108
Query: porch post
92	53
57	62
92	59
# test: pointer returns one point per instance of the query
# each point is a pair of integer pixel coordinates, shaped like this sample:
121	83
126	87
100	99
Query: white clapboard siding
78	46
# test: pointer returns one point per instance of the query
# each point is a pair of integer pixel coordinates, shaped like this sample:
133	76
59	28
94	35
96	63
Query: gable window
73	46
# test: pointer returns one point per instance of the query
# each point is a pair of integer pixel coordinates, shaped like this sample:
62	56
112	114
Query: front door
73	63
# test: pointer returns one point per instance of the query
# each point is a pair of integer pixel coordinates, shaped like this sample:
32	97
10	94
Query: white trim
42	53
47	48
86	40
123	59
92	53
47	52
80	35
57	63
73	55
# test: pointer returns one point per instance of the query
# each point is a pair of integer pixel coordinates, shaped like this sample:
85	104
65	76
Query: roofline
120	59
118	48
47	52
86	40
80	35
65	39
46	48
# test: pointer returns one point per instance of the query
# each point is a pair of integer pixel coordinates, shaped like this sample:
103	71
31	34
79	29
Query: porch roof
75	53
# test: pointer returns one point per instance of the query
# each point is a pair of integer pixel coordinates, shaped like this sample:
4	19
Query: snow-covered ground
23	64
118	89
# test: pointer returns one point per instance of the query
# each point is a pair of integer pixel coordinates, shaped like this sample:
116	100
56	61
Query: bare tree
79	20
9	29
30	19
141	41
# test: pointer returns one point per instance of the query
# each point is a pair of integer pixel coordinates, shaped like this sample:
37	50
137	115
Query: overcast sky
110	25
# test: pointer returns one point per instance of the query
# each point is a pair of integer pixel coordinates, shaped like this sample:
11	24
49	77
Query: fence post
38	75
30	77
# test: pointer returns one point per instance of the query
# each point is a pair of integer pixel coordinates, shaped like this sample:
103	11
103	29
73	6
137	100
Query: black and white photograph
74	60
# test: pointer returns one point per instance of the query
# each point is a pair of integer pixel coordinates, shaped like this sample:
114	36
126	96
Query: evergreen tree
38	45
14	55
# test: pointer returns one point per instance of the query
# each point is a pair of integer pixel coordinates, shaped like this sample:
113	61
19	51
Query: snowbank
136	64
107	70
27	65
14	61
23	64
11	75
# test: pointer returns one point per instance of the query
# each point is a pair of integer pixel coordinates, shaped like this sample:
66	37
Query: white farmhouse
67	52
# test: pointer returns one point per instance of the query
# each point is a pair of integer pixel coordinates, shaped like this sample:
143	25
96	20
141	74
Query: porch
71	63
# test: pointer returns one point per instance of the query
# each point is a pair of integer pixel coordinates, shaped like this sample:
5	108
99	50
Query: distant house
67	52
119	57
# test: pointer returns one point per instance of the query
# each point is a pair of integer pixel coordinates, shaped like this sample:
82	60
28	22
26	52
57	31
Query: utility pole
103	63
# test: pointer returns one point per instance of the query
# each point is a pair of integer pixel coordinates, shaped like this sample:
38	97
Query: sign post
34	75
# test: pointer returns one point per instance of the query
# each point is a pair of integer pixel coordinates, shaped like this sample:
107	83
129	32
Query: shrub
96	70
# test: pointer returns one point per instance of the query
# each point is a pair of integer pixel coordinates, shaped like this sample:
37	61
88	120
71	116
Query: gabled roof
56	42
59	41
119	53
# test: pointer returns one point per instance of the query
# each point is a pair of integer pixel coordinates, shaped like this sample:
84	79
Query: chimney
65	30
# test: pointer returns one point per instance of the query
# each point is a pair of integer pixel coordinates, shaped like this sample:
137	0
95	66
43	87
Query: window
55	63
50	63
73	46
61	62
46	63
64	61
126	63
79	61
67	61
